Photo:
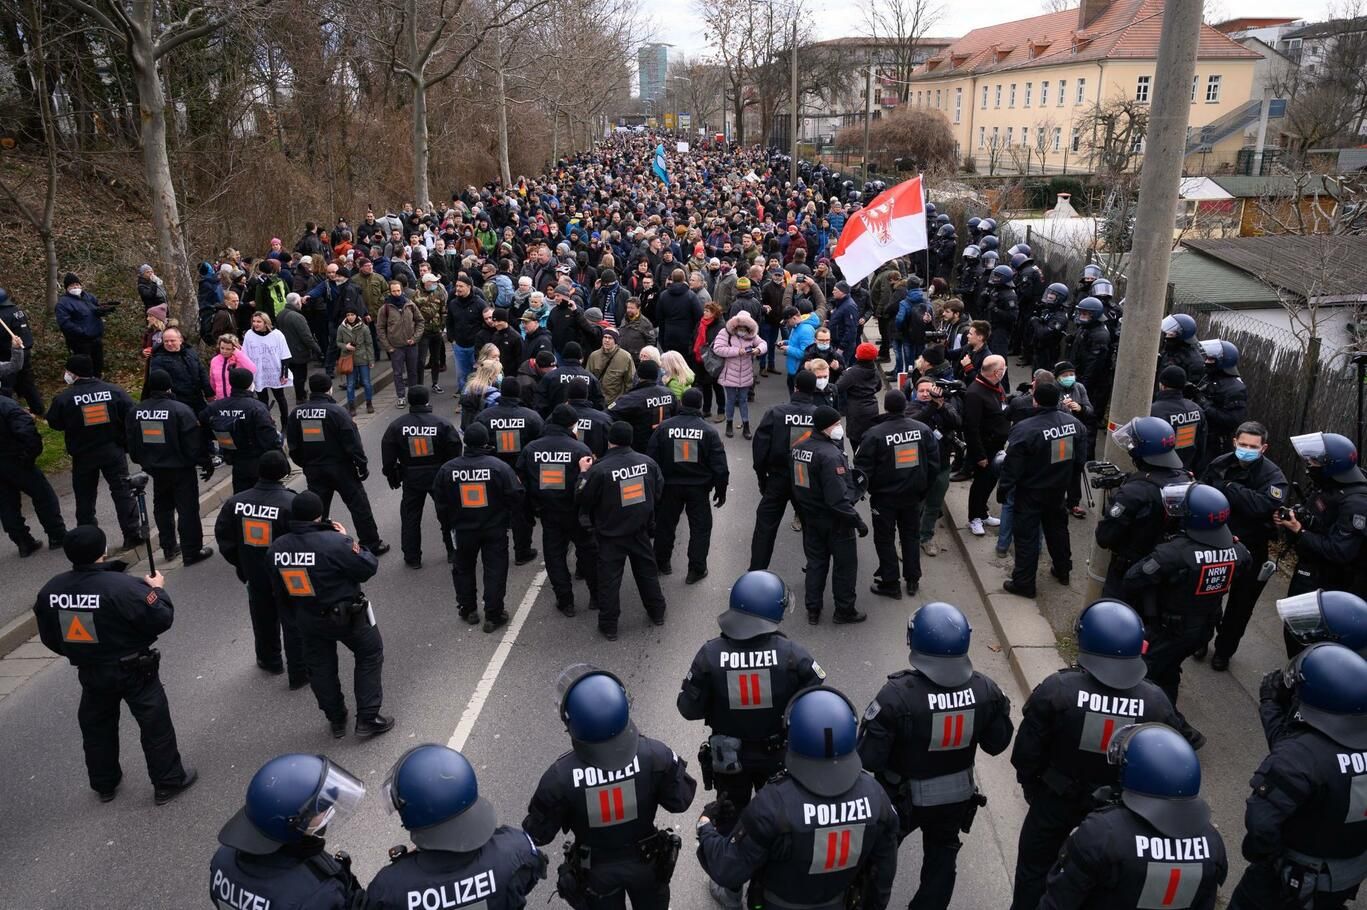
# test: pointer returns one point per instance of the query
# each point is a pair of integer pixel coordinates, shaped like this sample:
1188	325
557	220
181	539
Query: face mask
74	290
1247	455
68	377
822	347
1067	381
837	433
821	382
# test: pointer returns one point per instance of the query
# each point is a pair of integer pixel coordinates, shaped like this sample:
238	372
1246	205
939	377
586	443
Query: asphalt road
444	681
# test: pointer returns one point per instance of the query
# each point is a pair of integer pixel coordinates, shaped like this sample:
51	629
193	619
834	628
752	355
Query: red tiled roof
1247	22
1127	29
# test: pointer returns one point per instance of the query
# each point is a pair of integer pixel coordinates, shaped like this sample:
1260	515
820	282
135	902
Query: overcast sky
838	18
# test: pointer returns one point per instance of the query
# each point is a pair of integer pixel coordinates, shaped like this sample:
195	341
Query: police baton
138	482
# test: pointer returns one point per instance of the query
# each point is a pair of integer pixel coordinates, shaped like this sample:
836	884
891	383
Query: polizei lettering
1060	432
596	777
1172	849
154	415
1354	761
1180	419
825	814
507	423
748	660
92	397
894	439
228	893
311	413
636	470
1228	554
252	510
797	420
802	455
455	894
295	559
542	457
470	475
663	401
1110	704
685	433
418	431
945	701
74	601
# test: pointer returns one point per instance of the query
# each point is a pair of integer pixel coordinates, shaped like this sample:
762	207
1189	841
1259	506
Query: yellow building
1022	93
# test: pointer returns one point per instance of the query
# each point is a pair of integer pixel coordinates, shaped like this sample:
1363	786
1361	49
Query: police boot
28	547
886	589
199	555
163	795
374	726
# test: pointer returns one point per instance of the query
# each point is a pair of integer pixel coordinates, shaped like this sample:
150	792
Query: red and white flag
893	224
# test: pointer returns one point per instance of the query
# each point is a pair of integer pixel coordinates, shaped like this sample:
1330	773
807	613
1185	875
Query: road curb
22	628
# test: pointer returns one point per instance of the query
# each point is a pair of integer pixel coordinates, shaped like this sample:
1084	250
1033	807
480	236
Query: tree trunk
555	137
501	99
157	165
418	75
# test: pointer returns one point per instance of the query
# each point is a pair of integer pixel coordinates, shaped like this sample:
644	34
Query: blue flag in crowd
658	165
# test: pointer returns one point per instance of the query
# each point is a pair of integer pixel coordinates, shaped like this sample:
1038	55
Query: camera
936	337
138	481
951	386
1102	475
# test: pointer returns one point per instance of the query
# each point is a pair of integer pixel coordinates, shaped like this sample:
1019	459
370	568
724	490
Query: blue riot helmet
1056	294
595	710
854	196
1019	261
988	225
1023	248
759	601
292	797
1330	687
822	735
1205	515
1151	439
1332	455
1221	354
973	224
1094	310
1317	616
988	259
1179	325
972	251
1002	274
1160	778
938	636
1103	290
1110	644
945	230
931	211
941	219
434	791
989	242
1091	272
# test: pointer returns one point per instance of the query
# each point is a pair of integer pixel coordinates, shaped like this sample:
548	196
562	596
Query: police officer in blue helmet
805	838
273	852
1153	844
465	857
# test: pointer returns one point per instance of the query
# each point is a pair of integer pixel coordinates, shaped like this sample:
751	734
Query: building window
1028	87
937	99
1044	93
1010	130
997	96
1194	77
1077	138
1025	135
982	135
1081	91
958	153
1011	98
918	99
984	97
1212	90
958	104
996	137
1141	89
1062	92
1058	137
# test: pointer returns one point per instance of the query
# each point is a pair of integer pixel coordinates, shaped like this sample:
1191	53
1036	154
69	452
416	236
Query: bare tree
703	88
996	147
1117	130
898	26
1044	139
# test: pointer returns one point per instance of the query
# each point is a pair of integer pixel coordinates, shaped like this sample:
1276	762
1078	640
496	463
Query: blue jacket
210	292
80	317
844	320
911	300
803	334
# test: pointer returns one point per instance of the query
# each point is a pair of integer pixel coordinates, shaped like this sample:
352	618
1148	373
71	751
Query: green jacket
374	289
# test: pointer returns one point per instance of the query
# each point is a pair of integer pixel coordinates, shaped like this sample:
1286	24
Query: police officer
242	427
900	456
606	791
1317	616
1255	488
1304	841
1185	415
1091	350
1180	347
413	447
920	737
165	438
1090	273
273	851
824	491
245	528
1134	520
555	385
20	446
479	493
692	461
1003	308
1067	724
739	685
324	441
1154	845
646	405
1029	290
1222	394
318	572
511	426
93	414
970	273
1329	533
1182	583
782	427
548	467
591	424
465	857
617	498
816	832
105	623
1047	326
1042	452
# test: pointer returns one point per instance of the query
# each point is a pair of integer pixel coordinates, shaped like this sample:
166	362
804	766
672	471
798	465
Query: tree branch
170	40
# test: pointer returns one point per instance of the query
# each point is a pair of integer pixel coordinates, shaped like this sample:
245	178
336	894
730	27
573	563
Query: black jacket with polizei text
164	434
689	451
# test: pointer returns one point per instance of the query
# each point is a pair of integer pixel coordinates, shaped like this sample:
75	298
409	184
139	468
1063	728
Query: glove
721	810
719	497
762	479
206	471
393	478
861	527
362	473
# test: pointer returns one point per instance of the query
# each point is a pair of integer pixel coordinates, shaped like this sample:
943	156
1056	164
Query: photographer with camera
80	316
936	405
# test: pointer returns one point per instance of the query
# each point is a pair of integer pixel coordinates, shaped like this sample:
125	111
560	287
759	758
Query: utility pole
1151	249
792	167
868	116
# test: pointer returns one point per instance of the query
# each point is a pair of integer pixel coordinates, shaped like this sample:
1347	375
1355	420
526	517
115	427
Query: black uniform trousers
893	520
416	491
85	483
773	502
326	479
24	386
1172	640
246	472
558	531
1243	595
824	543
92	348
678	499
1048	822
492	545
940	845
1030	513
16	479
320	635
613	553
104	687
610	884
524	519
1261	888
175	495
269	625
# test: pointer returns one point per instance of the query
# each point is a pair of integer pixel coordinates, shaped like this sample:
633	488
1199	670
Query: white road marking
496	662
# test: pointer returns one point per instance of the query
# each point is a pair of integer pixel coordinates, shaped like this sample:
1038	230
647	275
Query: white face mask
837	433
74	290
821	382
68	377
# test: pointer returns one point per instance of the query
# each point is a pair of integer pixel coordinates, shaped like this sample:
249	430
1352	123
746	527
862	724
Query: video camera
138	481
1102	475
951	386
1297	509
936	337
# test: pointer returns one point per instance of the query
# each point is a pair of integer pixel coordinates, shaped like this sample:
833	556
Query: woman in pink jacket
738	345
229	355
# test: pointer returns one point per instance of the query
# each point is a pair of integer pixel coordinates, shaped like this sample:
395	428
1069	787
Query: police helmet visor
1304	617
1124	436
614	752
336	799
1175	499
1310	447
1211	349
1102	287
1170	326
461	833
739	625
